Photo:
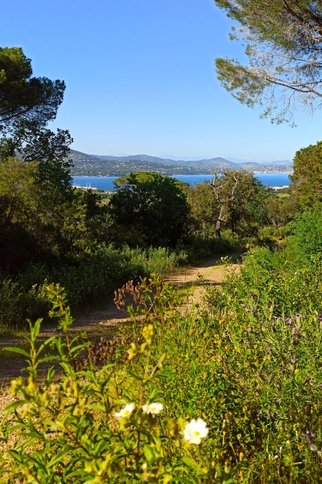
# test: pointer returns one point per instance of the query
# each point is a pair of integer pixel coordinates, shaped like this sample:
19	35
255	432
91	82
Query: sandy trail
104	322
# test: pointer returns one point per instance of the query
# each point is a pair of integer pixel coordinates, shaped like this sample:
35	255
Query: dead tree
223	199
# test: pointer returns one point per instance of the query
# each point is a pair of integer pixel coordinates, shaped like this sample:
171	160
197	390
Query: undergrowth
243	378
88	283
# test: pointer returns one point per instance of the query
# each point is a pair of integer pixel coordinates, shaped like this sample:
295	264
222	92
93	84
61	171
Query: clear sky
140	78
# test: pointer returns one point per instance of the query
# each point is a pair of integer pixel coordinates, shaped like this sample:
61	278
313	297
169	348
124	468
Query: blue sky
140	78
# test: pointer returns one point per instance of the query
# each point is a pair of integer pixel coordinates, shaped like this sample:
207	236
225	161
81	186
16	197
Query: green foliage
42	224
23	96
305	243
279	279
27	105
17	304
17	185
17	208
51	151
307	176
203	206
149	209
69	430
265	325
281	209
88	282
200	247
234	200
240	202
248	364
280	41
272	234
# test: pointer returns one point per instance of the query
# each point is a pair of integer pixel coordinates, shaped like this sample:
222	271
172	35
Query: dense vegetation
91	244
229	392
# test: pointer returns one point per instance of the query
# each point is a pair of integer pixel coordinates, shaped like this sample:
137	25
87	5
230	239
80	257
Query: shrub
200	247
306	238
88	283
90	425
18	304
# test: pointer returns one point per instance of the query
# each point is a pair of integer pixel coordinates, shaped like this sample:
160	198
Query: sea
105	183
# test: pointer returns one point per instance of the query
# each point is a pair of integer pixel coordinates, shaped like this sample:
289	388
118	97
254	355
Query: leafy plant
91	425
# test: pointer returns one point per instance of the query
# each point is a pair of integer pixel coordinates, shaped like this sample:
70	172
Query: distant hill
163	161
264	162
96	165
89	165
278	162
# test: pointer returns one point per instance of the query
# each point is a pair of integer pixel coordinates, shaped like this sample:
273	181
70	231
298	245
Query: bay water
106	182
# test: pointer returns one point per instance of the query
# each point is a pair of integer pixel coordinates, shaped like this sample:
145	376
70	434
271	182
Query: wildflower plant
266	339
153	408
97	425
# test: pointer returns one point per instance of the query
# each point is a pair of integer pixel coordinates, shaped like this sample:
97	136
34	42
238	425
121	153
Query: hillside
94	165
89	165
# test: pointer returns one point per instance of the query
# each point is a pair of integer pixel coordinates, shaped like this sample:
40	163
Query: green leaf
47	358
79	347
44	345
58	457
96	406
190	463
121	401
187	480
134	375
20	351
12	406
150	453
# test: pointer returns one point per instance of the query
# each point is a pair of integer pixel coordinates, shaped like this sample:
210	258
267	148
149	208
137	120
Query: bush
273	276
18	304
271	234
201	247
88	283
305	242
90	425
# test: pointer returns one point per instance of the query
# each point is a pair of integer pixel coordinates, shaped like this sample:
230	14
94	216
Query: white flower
153	408
126	411
195	431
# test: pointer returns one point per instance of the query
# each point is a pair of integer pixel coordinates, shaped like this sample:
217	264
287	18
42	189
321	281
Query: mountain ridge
108	165
174	159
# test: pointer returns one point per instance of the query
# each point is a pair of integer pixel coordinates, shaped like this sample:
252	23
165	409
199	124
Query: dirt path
105	321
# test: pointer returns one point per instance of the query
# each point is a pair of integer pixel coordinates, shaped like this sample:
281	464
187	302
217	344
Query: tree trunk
218	229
